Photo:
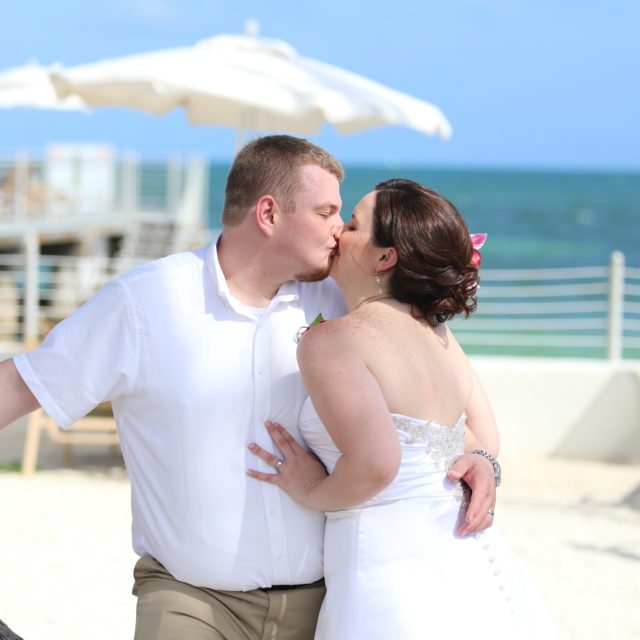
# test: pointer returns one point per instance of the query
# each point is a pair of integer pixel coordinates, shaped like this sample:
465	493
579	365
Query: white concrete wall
572	408
586	409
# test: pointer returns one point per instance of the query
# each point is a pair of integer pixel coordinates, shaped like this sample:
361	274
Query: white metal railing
90	180
37	291
631	310
583	311
85	196
590	311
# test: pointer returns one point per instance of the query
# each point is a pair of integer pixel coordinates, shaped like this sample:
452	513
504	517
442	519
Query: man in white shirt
195	352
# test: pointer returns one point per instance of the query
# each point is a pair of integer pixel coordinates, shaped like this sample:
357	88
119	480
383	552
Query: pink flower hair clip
477	240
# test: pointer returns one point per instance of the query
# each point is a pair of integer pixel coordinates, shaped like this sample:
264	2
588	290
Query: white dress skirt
395	568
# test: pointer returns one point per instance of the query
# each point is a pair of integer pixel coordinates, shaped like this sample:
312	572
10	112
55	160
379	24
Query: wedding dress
395	568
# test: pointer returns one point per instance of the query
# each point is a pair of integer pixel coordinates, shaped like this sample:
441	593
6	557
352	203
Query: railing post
174	171
21	186
31	246
616	305
240	138
129	183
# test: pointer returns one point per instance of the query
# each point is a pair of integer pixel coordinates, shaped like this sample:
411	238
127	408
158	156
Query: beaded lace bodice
427	444
442	444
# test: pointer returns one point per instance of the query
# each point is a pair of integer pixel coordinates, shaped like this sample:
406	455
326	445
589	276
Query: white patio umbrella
247	82
30	86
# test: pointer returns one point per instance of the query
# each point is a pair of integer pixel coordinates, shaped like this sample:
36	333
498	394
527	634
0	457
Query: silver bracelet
497	472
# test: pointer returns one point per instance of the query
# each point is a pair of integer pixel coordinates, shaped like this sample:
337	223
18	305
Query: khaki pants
172	610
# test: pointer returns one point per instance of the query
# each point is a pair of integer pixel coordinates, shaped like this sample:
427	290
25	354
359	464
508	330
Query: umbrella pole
240	139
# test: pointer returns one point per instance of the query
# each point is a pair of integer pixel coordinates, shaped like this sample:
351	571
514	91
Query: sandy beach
67	559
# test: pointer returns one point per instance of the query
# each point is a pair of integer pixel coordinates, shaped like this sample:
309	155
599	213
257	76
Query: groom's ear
265	213
387	260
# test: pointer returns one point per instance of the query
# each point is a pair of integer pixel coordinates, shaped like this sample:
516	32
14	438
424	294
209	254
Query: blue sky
525	83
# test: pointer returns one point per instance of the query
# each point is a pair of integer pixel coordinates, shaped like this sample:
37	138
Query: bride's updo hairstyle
433	273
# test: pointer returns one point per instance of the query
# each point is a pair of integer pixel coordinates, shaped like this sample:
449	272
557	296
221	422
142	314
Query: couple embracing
218	396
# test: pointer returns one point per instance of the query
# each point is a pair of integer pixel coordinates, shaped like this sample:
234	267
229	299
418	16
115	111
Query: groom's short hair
270	166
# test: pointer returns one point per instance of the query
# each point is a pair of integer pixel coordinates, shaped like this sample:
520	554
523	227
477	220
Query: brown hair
433	273
269	165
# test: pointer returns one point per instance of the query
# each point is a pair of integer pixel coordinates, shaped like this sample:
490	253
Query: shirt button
260	371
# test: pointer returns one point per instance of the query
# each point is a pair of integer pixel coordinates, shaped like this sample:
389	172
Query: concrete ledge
587	409
584	409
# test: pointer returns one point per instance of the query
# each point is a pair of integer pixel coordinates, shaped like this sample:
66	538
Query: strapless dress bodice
429	448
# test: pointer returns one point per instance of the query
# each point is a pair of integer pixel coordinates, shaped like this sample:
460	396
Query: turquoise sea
533	218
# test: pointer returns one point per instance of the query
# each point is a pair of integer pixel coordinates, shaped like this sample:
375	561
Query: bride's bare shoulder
329	337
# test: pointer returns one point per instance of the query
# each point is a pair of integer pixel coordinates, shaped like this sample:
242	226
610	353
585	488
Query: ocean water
533	218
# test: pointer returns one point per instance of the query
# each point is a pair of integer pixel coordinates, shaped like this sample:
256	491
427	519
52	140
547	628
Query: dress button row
502	587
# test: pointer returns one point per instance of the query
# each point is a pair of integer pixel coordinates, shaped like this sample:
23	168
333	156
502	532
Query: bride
393	402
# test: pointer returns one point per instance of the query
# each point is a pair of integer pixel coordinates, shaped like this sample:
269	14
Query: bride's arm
350	404
481	421
481	432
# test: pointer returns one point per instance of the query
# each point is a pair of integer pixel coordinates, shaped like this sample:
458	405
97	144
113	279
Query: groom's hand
478	473
297	471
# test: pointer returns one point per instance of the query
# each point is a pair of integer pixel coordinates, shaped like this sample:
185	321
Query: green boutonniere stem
317	320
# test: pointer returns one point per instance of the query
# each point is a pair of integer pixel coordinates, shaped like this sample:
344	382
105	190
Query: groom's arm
16	399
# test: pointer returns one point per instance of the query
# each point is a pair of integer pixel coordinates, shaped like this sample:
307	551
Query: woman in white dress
393	402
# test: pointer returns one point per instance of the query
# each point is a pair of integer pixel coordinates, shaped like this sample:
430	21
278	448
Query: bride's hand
297	471
478	473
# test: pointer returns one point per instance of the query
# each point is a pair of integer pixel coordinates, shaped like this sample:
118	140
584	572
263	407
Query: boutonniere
477	240
317	320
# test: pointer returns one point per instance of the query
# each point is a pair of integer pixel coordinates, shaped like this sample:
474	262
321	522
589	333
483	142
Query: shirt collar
288	291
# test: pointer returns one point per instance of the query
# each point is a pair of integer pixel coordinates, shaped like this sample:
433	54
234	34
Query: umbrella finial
252	28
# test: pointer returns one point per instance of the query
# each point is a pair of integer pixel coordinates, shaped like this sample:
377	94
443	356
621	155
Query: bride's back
421	370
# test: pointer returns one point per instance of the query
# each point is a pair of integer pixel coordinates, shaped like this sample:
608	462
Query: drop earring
379	283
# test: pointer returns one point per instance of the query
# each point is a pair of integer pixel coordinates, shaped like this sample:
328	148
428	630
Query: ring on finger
491	512
278	465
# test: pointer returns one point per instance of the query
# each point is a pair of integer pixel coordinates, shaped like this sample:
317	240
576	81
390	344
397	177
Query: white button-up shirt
193	375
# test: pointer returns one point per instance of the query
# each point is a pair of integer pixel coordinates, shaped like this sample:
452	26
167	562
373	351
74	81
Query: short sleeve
90	357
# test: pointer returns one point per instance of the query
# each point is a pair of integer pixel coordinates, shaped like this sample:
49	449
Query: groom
196	351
